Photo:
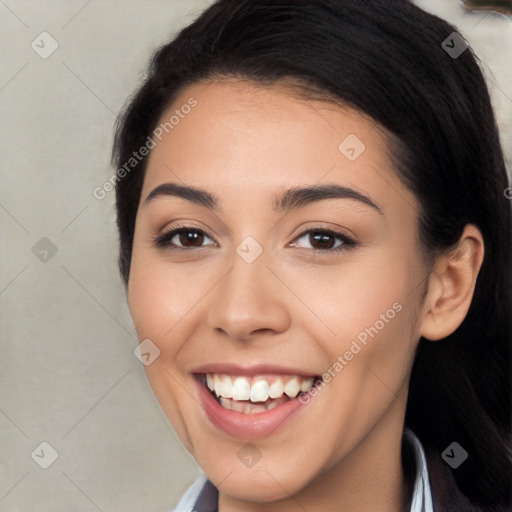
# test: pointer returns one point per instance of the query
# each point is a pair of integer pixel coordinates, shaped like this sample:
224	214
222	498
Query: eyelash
163	240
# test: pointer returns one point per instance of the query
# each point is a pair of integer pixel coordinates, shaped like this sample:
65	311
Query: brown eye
190	237
319	240
183	238
324	240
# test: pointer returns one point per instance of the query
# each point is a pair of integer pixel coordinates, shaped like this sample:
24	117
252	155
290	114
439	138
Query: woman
316	246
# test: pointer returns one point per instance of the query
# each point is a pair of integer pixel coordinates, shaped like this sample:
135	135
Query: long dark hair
386	59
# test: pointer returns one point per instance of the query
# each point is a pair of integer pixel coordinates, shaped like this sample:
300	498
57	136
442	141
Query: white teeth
271	405
276	389
246	407
306	385
259	391
216	384
292	388
232	405
241	389
225	388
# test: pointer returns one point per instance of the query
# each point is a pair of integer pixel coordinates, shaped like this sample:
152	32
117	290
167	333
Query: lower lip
246	426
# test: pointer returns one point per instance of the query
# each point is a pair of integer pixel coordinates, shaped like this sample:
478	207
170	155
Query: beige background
68	375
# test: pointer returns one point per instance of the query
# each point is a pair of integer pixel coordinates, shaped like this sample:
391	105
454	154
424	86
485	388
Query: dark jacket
446	496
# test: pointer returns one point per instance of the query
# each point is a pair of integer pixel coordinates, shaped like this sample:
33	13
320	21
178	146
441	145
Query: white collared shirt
421	495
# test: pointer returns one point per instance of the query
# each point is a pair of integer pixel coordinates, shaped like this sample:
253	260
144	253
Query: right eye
182	238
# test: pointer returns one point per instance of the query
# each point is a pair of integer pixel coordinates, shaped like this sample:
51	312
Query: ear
451	285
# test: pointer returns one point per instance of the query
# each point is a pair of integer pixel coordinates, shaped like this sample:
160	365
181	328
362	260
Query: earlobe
452	285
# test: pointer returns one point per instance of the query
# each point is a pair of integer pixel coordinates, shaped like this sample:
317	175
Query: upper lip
250	371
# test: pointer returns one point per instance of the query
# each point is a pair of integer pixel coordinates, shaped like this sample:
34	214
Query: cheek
162	294
159	300
341	301
364	314
363	321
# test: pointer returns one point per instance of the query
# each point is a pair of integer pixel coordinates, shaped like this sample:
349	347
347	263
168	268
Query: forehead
242	139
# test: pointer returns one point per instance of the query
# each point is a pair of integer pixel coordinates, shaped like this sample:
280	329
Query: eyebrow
293	198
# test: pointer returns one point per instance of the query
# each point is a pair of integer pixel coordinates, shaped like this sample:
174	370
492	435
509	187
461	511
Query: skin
246	143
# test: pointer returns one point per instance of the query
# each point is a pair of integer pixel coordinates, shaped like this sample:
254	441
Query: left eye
325	240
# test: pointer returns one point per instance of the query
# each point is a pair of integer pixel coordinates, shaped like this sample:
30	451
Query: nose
249	301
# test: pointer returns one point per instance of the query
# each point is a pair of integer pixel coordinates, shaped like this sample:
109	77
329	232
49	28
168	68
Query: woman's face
299	260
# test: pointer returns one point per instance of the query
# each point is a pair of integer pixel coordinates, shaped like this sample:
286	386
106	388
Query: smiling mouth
252	395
